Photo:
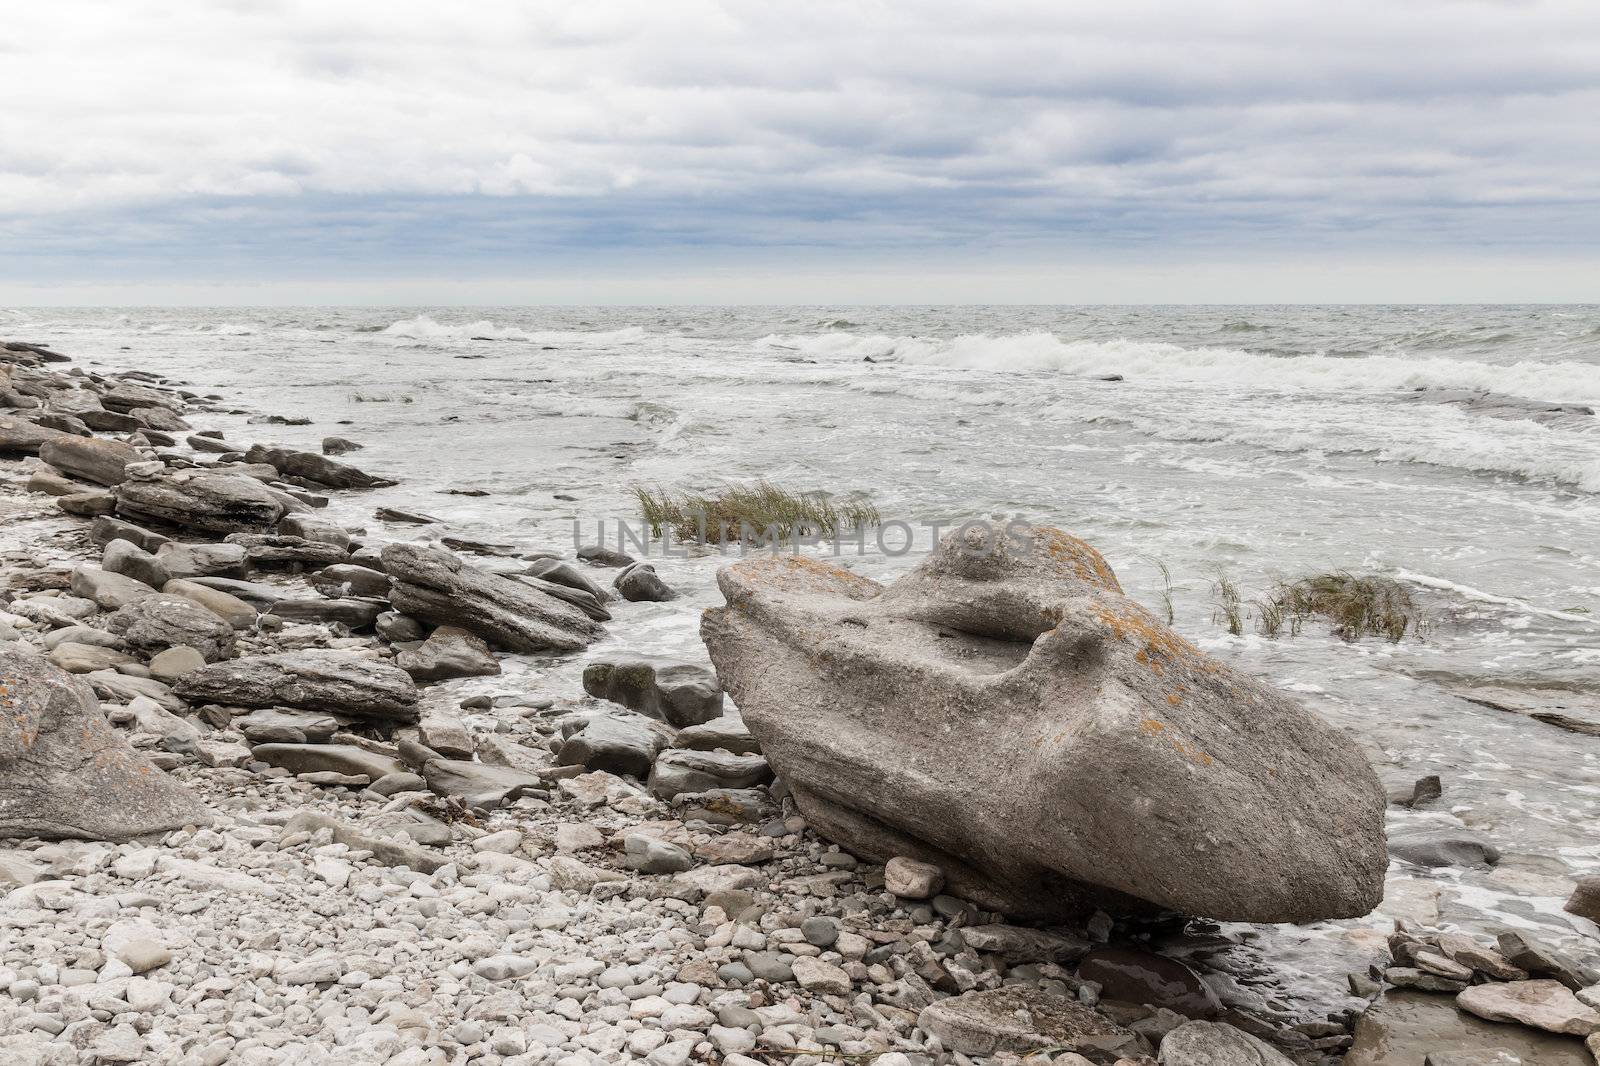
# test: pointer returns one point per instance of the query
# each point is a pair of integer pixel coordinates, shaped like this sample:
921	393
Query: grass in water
762	511
1356	606
1166	589
1230	611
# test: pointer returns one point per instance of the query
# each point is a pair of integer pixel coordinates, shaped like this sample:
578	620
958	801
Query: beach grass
1354	605
761	510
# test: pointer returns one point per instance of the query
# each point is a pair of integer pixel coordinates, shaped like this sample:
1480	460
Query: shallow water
1259	442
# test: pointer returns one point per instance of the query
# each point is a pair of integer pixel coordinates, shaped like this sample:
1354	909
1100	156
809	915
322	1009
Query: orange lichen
1086	563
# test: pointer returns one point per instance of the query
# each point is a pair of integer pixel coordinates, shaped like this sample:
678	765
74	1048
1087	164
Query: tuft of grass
1355	605
1230	609
762	511
1166	589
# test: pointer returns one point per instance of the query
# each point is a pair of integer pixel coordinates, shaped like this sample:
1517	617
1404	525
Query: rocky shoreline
309	829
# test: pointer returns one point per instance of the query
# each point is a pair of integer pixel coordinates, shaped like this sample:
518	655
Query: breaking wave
425	329
1557	382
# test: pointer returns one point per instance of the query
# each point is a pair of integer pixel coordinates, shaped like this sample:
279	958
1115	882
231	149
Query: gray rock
319	469
910	879
617	744
49	482
328	758
437	586
1444	847
130	560
108	591
18	436
679	693
347	579
88	504
90	458
256	593
1527	954
107	529
339	446
446	734
600	555
313	529
385	850
357	614
726	806
315	679
159	621
266	549
728	733
564	573
173	663
1016	944
681	770
64	772
479	784
398	628
649	855
276	725
1004	711
1215	1044
82	635
202	560
86	658
1135	976
1019	1019
449	652
232	610
1542	1004
640	583
210	502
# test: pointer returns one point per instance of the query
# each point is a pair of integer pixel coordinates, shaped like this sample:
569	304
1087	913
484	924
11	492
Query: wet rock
212	503
316	530
1166	747
328	758
412	518
439	587
563	573
315	679
679	693
1019	1019
1471	954
160	621
309	466
679	770
90	458
911	879
1144	977
1420	792
339	446
1405	1028
1585	899
108	591
640	583
1540	961
232	610
1415	977
1215	1044
64	772
187	561
1547	1005
578	598
449	652
617	744
600	555
1444	847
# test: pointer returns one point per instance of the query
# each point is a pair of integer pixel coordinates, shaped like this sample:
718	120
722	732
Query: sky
1225	151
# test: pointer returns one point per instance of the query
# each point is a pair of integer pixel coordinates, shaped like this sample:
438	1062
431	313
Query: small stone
822	932
910	879
652	856
814	975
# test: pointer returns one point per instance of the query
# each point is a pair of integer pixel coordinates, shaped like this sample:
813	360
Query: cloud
239	135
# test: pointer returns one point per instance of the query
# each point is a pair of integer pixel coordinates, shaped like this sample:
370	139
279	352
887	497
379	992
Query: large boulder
19	436
309	466
1005	712
437	586
447	653
317	679
160	621
212	503
90	458
64	772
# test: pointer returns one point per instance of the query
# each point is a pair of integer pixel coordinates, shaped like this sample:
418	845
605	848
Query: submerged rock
316	680
1005	712
309	466
438	587
64	772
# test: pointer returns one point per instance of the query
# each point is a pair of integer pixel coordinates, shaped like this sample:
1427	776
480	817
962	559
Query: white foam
425	329
1480	596
1564	382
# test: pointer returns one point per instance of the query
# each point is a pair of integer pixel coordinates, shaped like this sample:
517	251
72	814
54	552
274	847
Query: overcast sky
680	151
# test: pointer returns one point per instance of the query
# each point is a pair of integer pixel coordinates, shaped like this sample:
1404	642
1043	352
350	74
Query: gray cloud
286	132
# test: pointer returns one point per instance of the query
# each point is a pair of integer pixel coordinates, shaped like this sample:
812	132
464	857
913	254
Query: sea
1453	449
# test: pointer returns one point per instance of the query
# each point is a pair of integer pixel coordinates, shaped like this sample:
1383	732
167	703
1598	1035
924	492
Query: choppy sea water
1257	442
